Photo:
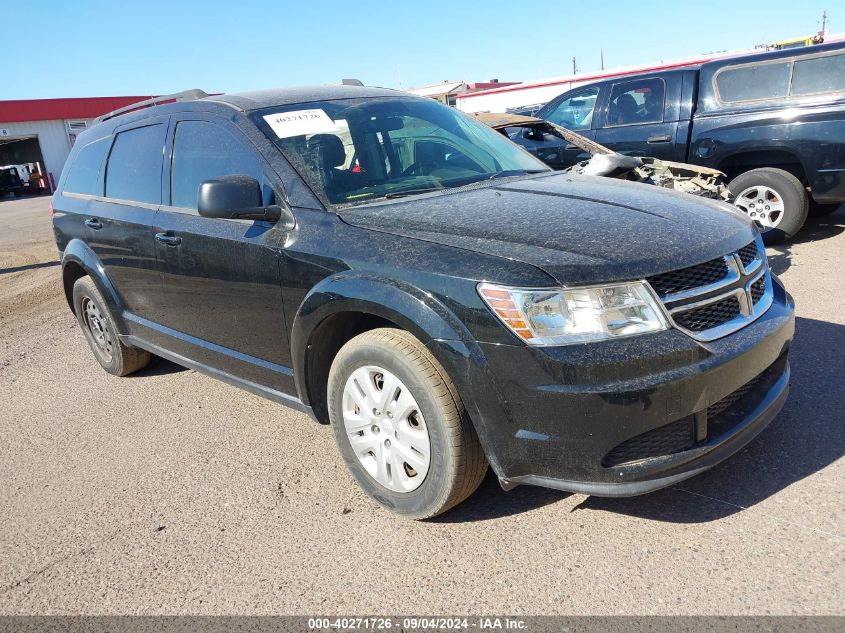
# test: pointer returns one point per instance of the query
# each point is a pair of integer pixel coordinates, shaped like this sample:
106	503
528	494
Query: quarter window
819	74
134	167
84	173
635	102
753	82
203	151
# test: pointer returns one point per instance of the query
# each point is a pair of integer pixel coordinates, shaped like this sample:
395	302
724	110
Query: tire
818	210
100	331
775	188
456	462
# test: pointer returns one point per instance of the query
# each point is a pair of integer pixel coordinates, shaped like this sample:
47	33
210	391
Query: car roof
242	101
257	99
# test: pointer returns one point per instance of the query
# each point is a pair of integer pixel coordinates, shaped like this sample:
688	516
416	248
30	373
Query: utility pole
574	67
601	52
824	23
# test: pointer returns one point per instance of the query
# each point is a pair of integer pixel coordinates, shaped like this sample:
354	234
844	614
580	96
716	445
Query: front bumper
621	418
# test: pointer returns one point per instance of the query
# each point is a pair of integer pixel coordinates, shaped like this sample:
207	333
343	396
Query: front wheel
400	425
775	199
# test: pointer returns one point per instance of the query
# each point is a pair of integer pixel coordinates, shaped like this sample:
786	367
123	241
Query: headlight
562	316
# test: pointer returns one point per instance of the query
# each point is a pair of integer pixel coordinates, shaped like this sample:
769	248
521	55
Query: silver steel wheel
386	428
762	204
98	328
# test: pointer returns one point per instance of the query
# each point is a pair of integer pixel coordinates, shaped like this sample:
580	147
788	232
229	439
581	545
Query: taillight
51	211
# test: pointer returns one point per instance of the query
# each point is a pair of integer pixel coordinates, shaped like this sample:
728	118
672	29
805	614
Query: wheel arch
782	158
343	306
78	260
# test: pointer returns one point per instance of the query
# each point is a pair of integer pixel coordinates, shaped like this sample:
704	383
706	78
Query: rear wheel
101	332
400	425
775	199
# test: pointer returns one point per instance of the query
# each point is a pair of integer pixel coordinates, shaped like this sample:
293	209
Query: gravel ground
170	492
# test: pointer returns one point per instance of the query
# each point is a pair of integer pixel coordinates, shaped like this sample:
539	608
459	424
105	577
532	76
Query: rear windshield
352	151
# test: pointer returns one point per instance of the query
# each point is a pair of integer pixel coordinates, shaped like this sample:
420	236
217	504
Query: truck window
639	101
134	167
576	111
818	75
85	170
202	151
752	82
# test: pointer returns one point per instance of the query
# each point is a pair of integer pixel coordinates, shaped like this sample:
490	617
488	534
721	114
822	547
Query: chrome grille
747	254
688	278
758	289
719	296
710	315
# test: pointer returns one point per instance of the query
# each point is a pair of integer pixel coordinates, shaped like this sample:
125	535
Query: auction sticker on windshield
299	122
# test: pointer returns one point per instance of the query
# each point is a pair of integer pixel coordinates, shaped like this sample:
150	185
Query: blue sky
94	47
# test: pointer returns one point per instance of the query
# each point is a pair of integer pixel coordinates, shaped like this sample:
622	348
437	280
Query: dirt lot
169	492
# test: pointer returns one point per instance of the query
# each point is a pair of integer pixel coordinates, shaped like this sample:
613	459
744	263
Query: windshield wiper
412	192
515	172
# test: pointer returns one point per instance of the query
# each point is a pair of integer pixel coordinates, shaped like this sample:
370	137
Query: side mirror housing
227	196
238	198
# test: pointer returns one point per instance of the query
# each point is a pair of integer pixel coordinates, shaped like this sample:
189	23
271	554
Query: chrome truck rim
762	204
386	428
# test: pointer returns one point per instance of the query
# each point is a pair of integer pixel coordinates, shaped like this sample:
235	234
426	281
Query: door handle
170	240
93	223
660	138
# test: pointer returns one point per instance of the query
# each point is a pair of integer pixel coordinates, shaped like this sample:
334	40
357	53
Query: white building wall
513	98
52	137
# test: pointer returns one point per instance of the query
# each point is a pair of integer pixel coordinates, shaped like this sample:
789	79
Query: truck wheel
775	199
101	332
400	425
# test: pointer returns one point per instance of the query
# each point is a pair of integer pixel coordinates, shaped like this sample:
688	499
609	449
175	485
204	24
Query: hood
578	229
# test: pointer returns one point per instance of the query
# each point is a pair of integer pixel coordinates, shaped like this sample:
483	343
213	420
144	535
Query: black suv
437	294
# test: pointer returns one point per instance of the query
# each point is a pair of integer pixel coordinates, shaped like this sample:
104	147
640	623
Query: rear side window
85	171
639	101
753	82
202	151
820	74
134	167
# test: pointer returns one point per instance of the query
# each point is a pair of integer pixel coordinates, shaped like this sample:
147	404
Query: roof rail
352	82
185	95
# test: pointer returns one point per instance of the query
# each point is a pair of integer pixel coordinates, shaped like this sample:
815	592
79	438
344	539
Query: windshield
352	151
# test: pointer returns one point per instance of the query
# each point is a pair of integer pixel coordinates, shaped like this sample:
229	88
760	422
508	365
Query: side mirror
238	198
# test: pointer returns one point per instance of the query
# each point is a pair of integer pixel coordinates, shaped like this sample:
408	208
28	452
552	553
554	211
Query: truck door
641	118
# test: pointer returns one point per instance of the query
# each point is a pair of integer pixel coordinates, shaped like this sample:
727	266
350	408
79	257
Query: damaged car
534	134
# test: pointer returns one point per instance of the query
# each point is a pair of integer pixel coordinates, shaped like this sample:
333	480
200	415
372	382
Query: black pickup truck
774	122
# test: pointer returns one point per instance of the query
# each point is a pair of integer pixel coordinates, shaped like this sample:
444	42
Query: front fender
79	253
407	306
418	312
